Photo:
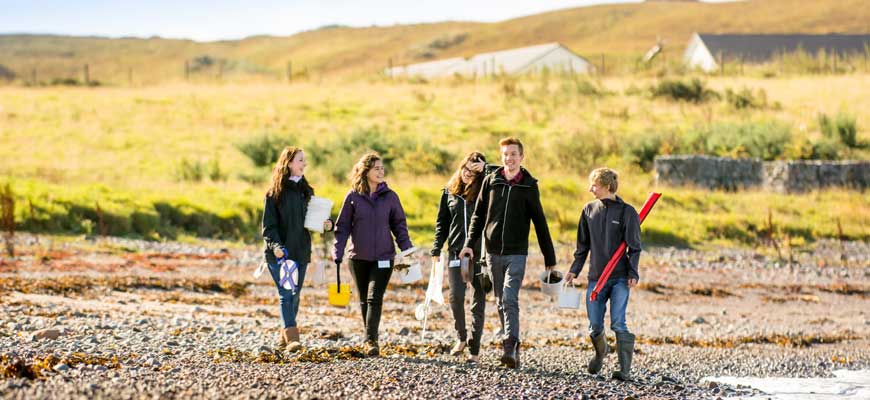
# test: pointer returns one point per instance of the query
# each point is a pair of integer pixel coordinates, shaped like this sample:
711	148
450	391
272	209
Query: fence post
721	64
87	75
390	67
186	70
289	71
220	75
33	76
130	76
603	66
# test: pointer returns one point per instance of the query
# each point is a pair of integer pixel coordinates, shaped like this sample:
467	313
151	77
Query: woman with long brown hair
451	227
371	216
288	243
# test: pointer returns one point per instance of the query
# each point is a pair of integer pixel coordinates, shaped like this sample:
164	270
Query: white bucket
316	273
570	297
318	212
551	281
411	274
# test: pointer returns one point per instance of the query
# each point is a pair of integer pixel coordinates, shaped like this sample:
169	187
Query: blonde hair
605	177
359	174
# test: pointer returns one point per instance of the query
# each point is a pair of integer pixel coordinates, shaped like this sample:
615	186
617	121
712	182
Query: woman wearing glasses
454	214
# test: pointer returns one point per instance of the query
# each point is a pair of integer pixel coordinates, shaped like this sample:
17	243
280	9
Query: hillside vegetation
620	33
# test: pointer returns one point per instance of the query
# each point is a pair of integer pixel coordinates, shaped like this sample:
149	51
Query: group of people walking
484	219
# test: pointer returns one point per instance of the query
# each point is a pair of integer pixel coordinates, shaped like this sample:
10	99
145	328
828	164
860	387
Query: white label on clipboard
384	264
453	264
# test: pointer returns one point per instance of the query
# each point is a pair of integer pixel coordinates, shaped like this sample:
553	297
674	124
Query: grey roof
765	47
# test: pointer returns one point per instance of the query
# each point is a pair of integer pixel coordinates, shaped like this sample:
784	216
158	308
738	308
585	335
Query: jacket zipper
504	222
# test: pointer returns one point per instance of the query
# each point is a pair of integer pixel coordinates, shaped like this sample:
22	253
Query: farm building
551	56
705	50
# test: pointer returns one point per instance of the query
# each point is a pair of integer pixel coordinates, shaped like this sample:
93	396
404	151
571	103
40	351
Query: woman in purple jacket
371	216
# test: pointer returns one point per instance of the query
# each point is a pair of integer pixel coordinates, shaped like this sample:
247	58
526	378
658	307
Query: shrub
745	98
643	149
766	140
192	171
842	127
263	150
693	91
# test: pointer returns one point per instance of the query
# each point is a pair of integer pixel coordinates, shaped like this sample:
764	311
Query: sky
225	19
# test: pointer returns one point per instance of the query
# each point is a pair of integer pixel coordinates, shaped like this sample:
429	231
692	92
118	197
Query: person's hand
437	259
569	277
478	166
327	225
466	252
632	283
338	261
278	252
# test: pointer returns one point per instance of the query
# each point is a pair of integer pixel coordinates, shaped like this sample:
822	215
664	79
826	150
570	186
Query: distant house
705	50
551	56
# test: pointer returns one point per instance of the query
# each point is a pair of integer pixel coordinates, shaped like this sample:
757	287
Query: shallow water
844	385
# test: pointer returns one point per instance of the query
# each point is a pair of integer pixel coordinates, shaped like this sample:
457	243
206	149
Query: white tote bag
570	297
319	209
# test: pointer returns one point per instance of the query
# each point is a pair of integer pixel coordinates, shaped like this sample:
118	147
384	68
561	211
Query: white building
551	56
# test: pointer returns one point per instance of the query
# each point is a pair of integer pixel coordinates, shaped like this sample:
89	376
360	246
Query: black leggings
371	282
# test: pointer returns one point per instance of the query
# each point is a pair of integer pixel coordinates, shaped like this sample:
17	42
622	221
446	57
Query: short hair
605	177
511	140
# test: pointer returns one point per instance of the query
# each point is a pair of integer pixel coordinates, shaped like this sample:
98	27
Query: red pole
647	206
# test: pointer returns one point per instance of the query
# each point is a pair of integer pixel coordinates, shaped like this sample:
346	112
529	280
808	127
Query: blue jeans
289	301
616	290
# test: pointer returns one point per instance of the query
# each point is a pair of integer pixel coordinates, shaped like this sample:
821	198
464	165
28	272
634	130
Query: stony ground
113	318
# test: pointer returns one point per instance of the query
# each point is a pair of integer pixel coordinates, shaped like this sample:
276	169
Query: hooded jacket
371	221
604	225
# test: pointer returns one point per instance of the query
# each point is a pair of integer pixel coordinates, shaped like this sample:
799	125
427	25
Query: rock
712	385
699	320
404	331
49	333
61	368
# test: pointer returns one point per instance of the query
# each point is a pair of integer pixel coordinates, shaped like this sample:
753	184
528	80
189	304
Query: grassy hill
619	32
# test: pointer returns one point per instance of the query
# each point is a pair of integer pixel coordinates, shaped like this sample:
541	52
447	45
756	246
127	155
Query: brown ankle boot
293	344
282	338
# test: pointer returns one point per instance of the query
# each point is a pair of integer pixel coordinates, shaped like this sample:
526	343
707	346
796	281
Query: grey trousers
457	305
507	278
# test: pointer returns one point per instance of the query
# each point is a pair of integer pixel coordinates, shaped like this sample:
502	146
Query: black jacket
503	213
283	222
454	217
604	225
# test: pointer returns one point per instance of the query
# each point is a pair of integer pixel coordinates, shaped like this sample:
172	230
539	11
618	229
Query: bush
693	92
843	127
402	154
263	150
643	149
763	140
826	149
745	99
192	171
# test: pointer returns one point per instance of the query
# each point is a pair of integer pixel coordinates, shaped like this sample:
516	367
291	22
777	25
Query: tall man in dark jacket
508	201
604	224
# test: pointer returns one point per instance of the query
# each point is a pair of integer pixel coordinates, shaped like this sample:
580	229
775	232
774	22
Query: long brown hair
457	187
281	173
359	174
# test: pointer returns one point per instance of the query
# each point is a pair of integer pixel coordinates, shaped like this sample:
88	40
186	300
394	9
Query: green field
164	161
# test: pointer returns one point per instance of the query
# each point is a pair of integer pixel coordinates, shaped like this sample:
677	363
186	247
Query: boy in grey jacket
604	224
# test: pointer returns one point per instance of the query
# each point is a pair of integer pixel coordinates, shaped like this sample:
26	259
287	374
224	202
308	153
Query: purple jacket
369	220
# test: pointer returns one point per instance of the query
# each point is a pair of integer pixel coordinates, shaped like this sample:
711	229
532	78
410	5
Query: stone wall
777	176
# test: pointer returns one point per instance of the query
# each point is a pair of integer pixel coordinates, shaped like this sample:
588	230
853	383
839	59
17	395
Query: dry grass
622	32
